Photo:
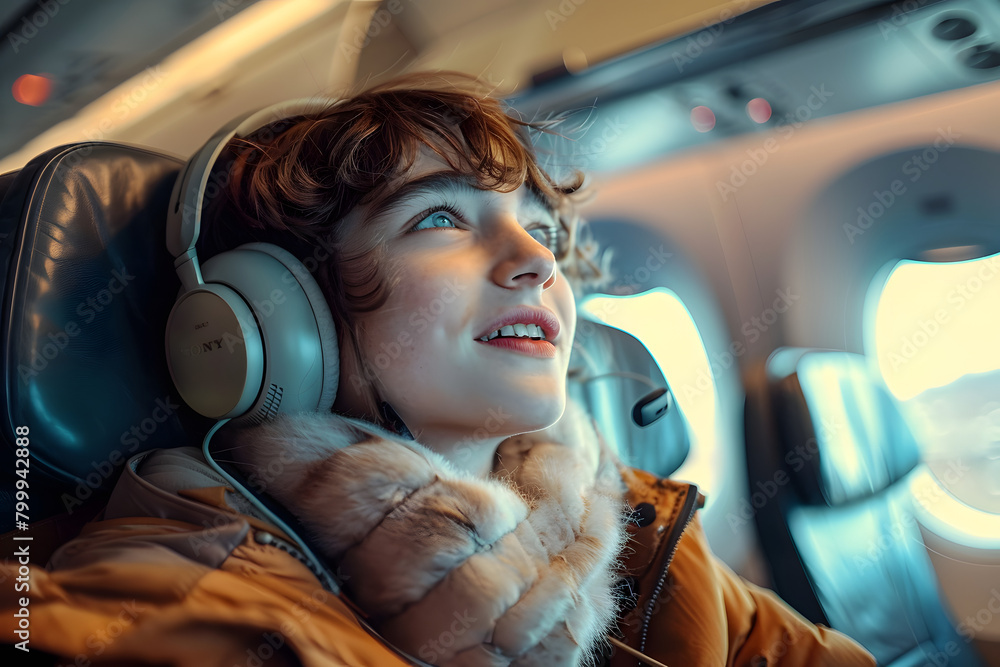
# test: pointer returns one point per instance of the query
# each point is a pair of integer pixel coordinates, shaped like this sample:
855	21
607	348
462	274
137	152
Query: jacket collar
178	485
662	510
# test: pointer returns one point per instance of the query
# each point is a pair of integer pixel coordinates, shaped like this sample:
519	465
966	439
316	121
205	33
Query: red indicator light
702	118
759	110
32	89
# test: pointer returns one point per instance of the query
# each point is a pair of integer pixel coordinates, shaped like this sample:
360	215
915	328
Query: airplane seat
610	370
87	287
829	455
5	182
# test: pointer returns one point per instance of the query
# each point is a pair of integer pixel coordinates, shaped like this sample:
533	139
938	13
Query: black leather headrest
598	349
842	435
88	285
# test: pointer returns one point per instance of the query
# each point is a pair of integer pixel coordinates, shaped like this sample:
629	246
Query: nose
521	261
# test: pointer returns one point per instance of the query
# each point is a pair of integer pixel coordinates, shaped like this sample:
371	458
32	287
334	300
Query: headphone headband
254	334
184	214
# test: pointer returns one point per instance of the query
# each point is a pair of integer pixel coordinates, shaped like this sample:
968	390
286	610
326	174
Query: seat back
87	288
606	371
828	454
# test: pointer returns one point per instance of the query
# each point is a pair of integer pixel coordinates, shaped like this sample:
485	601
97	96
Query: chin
540	413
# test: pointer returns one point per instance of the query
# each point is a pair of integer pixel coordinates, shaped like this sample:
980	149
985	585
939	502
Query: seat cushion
88	286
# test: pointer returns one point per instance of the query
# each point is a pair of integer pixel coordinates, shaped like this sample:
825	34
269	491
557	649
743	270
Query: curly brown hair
292	181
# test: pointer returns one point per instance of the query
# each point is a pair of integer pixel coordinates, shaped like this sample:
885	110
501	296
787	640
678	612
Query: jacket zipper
319	572
687	513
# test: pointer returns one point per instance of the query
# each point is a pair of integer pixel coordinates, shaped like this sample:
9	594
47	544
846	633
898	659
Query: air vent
953	29
982	56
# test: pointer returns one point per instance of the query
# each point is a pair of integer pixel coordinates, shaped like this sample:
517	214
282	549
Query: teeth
517	330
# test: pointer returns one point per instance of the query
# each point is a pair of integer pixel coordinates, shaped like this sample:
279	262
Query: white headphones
251	334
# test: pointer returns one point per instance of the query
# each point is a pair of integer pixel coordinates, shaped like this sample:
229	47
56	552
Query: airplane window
675	342
934	334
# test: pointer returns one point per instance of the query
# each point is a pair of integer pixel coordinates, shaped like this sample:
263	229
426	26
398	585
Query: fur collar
451	568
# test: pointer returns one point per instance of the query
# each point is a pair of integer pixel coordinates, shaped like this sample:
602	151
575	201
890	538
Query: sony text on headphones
251	333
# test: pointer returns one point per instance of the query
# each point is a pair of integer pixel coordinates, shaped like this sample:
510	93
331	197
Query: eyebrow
440	182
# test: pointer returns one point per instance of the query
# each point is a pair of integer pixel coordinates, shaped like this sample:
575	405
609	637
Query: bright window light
661	321
934	335
946	516
936	323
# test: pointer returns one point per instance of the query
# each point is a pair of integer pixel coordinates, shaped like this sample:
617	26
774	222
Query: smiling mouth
532	347
530	331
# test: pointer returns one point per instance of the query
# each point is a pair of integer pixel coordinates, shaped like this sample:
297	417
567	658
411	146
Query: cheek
419	317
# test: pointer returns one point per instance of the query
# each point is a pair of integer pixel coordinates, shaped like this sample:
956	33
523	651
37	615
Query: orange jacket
178	577
693	610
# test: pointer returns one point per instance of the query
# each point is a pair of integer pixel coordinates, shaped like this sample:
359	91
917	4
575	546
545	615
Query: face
468	262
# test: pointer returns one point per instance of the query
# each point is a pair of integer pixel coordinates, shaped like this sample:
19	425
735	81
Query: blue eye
436	219
551	237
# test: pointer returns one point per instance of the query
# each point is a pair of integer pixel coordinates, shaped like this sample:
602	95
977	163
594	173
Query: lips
541	317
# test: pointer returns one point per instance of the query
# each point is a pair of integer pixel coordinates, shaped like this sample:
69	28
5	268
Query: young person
472	514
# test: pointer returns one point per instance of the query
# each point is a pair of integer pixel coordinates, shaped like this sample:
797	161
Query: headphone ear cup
301	358
323	318
214	351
